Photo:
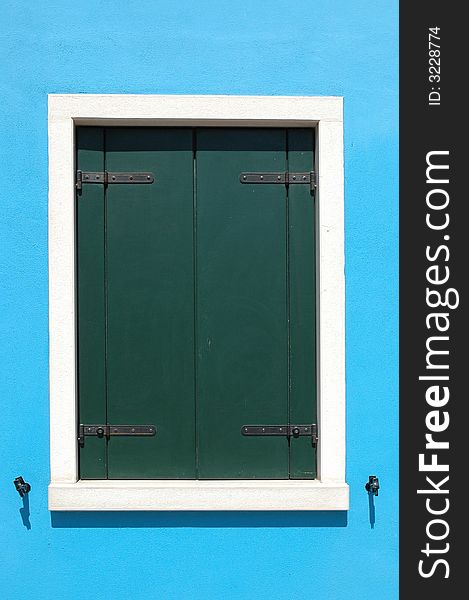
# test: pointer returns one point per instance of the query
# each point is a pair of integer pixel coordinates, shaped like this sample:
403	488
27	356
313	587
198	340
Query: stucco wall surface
327	47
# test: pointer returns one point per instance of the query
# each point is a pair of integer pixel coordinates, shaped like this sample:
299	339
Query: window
185	307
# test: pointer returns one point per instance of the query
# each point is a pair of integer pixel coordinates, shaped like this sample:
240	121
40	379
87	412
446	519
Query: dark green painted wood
241	304
150	302
197	358
302	307
91	301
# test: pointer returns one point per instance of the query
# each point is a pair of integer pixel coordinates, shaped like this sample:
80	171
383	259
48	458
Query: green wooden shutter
149	290
242	342
302	303
90	256
196	303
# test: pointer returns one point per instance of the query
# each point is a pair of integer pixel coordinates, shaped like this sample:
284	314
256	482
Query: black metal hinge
106	431
106	177
285	430
281	177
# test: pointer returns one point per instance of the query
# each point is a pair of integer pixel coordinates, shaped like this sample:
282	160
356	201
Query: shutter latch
106	431
286	430
106	177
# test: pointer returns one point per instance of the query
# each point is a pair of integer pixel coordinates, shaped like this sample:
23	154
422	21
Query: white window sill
174	495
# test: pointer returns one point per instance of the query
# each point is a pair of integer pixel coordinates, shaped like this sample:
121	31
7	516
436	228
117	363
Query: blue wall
295	47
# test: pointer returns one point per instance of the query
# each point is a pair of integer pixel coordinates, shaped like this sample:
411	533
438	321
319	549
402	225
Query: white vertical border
331	298
329	491
62	319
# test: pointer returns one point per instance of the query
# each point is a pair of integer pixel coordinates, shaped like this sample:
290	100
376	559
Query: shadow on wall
25	513
200	519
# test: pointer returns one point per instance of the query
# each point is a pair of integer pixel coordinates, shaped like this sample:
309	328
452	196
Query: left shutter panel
90	257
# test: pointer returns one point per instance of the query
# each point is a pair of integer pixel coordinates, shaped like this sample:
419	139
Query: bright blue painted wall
295	47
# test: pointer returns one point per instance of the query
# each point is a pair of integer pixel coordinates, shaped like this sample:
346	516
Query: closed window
196	303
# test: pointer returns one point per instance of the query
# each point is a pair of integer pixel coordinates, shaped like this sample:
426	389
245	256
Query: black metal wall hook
22	487
372	486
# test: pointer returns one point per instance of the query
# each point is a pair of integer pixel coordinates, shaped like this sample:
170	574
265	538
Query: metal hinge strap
285	430
106	431
281	177
108	177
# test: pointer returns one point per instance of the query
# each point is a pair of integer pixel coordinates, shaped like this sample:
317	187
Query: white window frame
329	491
